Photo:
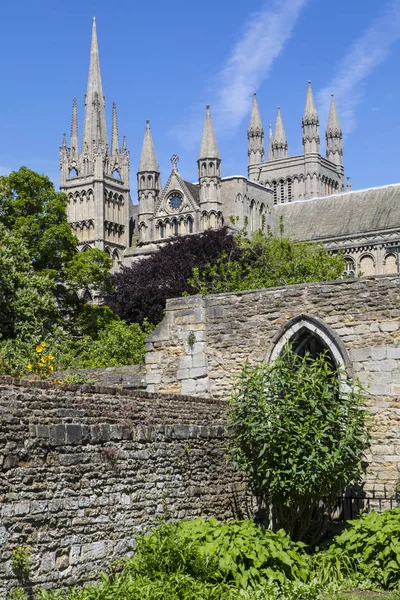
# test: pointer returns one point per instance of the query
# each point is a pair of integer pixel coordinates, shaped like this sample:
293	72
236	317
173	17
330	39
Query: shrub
299	438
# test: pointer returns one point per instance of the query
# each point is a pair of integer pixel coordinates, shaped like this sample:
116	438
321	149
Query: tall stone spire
334	135
148	160
95	119
209	168
310	124
208	146
255	135
74	128
114	133
279	143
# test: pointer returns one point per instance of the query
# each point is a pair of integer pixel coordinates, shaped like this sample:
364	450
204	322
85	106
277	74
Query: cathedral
306	192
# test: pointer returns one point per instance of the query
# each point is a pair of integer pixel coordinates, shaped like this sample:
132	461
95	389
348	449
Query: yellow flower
43	360
50	357
51	368
39	348
43	344
30	367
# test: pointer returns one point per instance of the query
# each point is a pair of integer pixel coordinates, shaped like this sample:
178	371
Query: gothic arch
366	264
304	330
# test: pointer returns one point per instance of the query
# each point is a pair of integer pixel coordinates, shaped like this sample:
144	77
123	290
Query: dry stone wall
204	340
84	469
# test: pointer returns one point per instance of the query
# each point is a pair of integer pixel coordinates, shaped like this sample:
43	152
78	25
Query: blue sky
164	61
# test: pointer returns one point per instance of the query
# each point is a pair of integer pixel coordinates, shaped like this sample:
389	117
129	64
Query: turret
209	167
279	143
255	135
74	129
334	144
310	124
149	184
270	142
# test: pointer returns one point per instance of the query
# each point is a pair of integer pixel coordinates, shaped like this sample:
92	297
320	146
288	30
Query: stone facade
203	342
84	469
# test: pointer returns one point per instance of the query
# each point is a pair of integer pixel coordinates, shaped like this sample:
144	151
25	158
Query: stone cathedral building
306	191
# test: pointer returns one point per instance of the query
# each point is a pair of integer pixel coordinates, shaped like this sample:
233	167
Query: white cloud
364	55
248	65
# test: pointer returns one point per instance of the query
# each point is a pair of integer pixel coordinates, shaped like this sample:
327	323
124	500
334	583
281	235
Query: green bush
369	550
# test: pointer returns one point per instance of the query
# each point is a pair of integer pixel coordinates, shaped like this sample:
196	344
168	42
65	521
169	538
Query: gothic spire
279	142
255	118
208	146
74	127
255	135
310	111
333	126
148	159
95	119
310	124
114	133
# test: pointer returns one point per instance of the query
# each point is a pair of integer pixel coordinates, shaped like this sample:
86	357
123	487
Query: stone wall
204	340
83	469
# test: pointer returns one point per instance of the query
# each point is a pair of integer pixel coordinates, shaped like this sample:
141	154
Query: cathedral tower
209	169
96	180
149	185
255	135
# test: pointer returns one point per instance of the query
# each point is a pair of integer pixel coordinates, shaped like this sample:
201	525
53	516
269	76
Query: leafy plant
21	561
370	547
262	261
299	438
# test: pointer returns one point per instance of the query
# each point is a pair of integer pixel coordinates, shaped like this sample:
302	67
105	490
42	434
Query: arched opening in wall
161	230
190	224
262	216
211	168
289	190
367	265
116	174
307	333
85	166
251	216
349	267
275	188
390	264
115	260
204	169
282	186
175	227
72	173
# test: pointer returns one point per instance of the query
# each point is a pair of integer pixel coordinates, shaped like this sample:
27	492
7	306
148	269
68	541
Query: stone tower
209	169
255	135
334	142
279	142
149	186
95	179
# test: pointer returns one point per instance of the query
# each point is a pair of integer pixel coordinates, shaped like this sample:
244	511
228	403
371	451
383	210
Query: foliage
91	266
21	561
42	365
299	438
369	548
141	290
262	261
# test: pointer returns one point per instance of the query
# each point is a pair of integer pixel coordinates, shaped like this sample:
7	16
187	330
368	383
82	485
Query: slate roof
194	189
340	215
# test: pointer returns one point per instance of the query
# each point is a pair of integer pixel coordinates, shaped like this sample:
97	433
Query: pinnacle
255	118
148	159
310	111
95	118
280	135
208	146
333	119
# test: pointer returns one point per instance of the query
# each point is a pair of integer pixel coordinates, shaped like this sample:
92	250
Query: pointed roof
95	118
148	159
74	126
310	111
333	119
114	132
279	135
255	117
208	146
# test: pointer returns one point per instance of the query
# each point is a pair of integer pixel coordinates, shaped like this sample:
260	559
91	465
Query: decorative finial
174	161
147	122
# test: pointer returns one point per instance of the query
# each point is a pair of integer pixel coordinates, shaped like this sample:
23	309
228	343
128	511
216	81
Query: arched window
204	169
274	187
116	174
307	333
289	190
190	224
175	227
85	166
211	169
390	264
349	268
367	265
161	229
115	259
73	173
282	184
262	216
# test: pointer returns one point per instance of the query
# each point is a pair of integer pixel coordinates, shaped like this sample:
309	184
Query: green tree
261	261
300	435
